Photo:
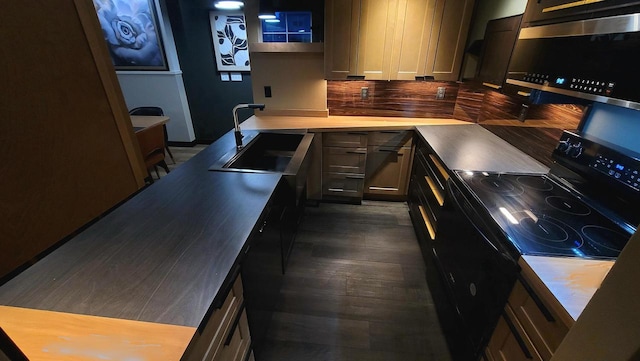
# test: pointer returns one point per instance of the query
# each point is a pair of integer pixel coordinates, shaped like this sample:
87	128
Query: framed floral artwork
229	31
131	31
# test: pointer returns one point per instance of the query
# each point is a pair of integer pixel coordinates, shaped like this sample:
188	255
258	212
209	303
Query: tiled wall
536	136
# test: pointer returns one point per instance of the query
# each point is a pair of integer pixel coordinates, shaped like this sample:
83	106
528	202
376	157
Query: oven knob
575	150
563	145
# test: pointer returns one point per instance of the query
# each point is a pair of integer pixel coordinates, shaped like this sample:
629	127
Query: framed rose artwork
229	31
131	31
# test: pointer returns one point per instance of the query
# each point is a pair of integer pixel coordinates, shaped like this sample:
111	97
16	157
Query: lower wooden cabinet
529	329
226	336
387	171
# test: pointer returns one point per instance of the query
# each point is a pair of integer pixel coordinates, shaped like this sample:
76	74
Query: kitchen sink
266	152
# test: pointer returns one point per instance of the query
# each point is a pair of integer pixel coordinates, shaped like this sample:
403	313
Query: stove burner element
548	231
605	237
568	205
501	186
537	183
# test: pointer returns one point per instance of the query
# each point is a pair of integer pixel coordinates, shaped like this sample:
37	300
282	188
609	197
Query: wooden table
140	122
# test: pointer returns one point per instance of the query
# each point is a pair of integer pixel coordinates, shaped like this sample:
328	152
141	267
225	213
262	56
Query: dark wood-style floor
355	290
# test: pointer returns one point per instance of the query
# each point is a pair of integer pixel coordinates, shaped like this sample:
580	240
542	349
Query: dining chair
152	110
152	144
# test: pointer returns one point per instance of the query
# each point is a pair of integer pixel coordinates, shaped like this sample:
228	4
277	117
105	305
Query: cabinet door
446	50
344	160
499	39
342	18
377	23
387	170
509	342
411	38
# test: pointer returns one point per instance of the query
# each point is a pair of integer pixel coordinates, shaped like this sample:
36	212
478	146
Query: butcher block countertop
340	123
147	273
568	282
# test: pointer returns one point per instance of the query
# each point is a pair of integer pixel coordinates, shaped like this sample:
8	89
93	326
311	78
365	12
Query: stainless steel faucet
237	125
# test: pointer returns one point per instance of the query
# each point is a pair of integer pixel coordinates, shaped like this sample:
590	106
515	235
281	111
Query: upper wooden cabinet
396	39
499	39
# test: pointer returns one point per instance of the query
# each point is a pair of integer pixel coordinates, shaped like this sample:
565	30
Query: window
287	27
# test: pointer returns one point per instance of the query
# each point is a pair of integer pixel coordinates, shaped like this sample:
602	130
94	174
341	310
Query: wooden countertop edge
341	123
48	335
580	278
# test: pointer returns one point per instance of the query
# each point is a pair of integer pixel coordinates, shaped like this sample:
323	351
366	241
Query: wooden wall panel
396	98
67	144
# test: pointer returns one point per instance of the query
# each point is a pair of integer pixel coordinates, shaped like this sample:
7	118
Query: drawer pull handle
435	191
441	169
391	131
359	176
357	133
545	311
234	325
356	152
425	218
517	336
524	94
389	151
491	85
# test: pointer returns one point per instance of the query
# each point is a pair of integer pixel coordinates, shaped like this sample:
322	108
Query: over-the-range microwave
593	59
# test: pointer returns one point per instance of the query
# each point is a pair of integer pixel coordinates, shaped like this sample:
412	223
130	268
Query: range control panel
587	155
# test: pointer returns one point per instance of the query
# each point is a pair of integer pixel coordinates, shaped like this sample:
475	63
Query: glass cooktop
540	217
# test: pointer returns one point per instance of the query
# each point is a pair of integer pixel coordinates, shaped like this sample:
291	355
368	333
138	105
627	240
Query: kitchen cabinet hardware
355	176
356	152
234	325
493	86
392	131
427	222
440	167
517	336
536	299
524	94
357	133
434	190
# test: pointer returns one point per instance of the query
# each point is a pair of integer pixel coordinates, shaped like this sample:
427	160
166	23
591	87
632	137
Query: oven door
477	274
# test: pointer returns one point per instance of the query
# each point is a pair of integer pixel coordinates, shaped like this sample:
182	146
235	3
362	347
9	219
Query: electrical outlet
364	93
440	92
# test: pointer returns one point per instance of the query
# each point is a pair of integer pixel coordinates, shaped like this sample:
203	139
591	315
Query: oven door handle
460	207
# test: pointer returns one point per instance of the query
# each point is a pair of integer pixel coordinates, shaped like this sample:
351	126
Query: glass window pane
299	38
298	21
271	27
274	38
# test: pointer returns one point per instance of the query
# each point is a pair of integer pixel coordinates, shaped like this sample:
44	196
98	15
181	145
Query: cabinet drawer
344	160
424	208
387	170
546	332
345	139
208	345
432	185
237	344
343	185
391	138
434	167
509	342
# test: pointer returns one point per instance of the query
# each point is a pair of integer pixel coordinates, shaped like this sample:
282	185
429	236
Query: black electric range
586	206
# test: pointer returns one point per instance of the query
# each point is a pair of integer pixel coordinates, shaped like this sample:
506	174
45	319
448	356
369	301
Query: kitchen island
161	260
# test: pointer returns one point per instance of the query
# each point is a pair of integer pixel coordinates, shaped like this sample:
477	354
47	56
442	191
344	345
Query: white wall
164	89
